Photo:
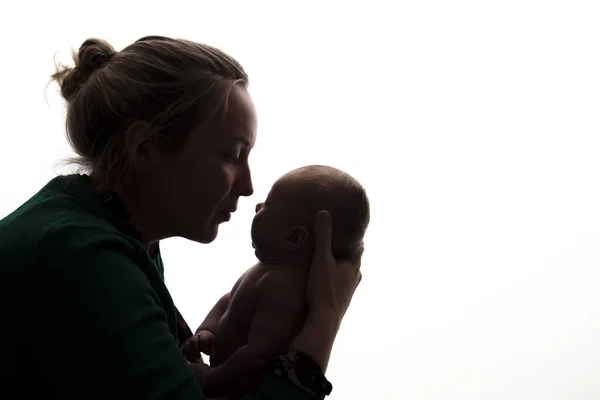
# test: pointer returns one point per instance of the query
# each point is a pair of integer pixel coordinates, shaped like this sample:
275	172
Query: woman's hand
331	282
331	285
200	370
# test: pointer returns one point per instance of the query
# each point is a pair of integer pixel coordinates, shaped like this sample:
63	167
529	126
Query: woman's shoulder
62	216
56	242
65	206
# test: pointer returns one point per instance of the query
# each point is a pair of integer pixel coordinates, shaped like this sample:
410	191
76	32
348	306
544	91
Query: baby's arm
202	340
212	318
280	300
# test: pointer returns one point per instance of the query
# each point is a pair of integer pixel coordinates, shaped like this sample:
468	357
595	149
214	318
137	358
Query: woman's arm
317	337
103	328
331	285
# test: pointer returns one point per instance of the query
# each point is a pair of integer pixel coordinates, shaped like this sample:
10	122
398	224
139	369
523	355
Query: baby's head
283	227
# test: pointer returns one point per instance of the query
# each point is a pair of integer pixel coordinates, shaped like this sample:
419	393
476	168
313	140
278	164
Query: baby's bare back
284	288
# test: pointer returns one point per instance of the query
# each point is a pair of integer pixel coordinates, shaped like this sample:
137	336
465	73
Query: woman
164	129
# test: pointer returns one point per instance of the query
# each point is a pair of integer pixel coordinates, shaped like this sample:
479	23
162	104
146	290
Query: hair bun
94	54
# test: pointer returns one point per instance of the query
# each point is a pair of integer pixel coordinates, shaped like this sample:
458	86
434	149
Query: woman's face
198	188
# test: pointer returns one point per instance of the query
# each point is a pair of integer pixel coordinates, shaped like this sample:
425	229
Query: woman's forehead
240	120
237	125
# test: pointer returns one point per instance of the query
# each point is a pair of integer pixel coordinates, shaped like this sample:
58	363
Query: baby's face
276	220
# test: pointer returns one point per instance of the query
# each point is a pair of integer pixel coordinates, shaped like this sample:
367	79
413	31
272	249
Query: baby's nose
258	207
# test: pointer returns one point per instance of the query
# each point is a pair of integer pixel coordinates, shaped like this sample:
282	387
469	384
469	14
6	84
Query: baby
266	307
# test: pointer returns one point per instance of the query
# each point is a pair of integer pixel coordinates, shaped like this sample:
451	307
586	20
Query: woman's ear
144	157
296	239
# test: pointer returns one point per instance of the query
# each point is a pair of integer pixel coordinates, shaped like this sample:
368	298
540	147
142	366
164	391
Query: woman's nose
245	183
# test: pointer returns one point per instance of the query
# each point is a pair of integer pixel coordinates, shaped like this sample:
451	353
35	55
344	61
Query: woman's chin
206	235
211	230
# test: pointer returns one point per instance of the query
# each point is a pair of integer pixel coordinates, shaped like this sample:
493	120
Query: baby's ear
296	239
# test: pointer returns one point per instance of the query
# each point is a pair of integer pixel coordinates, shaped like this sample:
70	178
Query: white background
473	125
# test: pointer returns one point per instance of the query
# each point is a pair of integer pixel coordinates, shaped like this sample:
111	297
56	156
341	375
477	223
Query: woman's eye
234	157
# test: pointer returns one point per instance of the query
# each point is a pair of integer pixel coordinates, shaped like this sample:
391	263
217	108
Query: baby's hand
206	341
201	342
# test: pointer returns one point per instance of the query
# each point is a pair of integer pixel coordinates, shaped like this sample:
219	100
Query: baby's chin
258	256
256	252
263	257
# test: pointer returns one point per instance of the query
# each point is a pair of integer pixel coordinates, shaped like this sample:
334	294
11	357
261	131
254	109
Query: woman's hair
160	87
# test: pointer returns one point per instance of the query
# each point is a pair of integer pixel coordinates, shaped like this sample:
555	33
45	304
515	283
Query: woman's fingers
323	234
331	282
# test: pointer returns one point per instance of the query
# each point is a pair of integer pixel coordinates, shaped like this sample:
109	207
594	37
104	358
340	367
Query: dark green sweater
84	309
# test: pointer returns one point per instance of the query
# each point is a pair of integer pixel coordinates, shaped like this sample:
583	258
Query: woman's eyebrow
243	140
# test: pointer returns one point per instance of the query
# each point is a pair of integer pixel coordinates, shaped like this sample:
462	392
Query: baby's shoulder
248	281
282	277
